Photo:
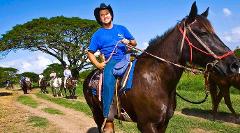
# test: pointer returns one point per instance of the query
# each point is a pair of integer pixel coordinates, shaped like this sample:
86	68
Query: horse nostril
235	67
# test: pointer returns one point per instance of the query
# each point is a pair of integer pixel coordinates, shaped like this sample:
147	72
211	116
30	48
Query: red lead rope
192	46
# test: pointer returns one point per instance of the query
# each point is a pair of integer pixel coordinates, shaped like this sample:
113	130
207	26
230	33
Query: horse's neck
168	47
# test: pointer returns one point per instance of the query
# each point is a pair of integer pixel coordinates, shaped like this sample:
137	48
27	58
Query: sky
144	19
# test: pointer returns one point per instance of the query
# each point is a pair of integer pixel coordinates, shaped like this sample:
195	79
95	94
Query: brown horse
152	100
219	88
71	85
43	86
26	85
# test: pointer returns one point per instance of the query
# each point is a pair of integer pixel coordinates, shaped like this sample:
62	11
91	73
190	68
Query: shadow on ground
206	114
5	93
93	130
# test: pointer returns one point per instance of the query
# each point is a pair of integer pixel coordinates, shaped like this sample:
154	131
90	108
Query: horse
151	101
56	84
9	84
43	86
218	87
26	85
71	85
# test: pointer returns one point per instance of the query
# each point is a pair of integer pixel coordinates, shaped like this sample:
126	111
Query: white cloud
227	12
233	37
35	62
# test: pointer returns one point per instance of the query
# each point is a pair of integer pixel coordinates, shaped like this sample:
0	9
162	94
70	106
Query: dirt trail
14	114
14	119
70	122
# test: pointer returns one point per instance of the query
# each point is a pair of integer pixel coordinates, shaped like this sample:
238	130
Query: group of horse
192	43
57	87
56	84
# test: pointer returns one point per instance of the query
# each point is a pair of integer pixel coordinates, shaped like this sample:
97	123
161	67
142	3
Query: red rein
192	46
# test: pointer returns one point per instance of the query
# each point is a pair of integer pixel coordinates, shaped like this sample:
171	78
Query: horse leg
217	101
97	114
45	89
74	91
54	91
213	93
226	95
59	92
65	91
24	90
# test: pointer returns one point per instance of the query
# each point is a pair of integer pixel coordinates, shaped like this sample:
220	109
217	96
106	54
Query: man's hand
125	41
101	65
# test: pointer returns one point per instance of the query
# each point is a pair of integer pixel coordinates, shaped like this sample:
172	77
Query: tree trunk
75	73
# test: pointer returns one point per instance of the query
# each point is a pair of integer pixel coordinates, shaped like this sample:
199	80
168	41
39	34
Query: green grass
38	121
27	100
76	105
53	111
191	87
181	124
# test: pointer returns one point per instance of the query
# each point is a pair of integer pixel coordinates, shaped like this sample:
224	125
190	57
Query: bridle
191	46
209	53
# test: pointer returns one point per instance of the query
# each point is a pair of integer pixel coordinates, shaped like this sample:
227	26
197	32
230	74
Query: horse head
202	41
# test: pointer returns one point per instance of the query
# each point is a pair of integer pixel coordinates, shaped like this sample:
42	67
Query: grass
191	87
53	111
27	100
181	124
76	105
38	121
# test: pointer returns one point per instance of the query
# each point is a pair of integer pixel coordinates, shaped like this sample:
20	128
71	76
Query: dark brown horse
71	85
26	85
152	100
219	88
43	86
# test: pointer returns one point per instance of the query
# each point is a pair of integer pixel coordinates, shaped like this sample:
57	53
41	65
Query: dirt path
13	114
14	119
70	122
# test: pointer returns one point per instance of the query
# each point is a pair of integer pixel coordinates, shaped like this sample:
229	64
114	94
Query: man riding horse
106	40
150	100
25	84
67	74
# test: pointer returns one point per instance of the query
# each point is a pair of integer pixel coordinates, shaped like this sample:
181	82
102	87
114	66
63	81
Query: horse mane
205	23
155	42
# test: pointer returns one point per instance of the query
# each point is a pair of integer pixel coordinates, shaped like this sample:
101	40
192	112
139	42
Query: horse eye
201	33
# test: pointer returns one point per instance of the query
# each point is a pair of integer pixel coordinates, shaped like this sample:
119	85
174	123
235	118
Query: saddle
96	85
122	77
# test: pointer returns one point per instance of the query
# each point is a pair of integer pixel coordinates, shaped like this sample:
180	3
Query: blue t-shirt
106	39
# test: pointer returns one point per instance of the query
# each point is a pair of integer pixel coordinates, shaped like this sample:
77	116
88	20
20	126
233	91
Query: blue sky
144	19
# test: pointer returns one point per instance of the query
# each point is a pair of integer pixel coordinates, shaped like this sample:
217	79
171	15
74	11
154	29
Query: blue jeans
108	86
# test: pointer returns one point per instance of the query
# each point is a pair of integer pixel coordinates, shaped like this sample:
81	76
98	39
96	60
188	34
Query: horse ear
193	13
205	14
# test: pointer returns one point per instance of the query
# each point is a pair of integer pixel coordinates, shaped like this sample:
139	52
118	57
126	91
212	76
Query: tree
8	73
33	76
60	37
237	52
58	68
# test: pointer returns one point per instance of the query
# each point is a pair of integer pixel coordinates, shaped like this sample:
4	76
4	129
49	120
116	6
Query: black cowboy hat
102	7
